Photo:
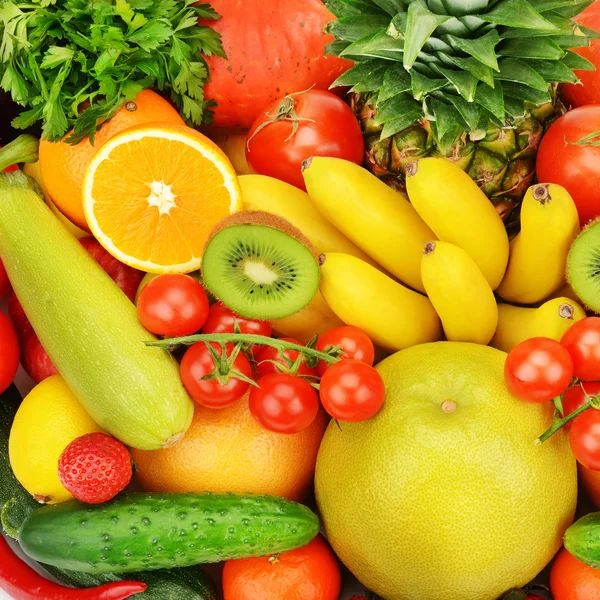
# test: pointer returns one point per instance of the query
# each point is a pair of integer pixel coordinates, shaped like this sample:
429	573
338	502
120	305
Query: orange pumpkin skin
274	48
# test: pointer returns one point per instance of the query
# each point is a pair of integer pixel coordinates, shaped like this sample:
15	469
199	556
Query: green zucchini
582	540
191	583
88	326
154	531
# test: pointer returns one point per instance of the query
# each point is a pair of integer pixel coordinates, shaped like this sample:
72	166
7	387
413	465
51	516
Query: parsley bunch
73	63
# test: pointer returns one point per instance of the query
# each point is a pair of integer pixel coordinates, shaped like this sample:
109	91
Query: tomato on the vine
354	343
270	360
223	320
582	341
284	403
299	126
223	388
585	439
9	352
578	395
173	305
352	391
538	370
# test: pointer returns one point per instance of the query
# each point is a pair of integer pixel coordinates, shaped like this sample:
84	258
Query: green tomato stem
259	340
560	423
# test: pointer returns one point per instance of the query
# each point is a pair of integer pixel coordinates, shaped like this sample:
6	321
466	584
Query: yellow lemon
47	421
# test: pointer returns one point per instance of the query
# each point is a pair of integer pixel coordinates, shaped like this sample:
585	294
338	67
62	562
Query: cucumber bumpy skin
582	540
137	532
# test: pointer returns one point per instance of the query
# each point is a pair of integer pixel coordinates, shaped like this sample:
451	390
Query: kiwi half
260	266
583	266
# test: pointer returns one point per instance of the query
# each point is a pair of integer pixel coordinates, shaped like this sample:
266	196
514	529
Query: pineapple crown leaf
461	64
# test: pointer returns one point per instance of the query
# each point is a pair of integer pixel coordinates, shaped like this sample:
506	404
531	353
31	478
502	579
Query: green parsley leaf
73	63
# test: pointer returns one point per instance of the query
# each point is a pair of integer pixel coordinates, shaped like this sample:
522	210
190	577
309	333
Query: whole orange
226	450
570	579
309	573
63	165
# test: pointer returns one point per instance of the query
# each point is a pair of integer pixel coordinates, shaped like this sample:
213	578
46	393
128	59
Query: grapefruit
226	450
444	495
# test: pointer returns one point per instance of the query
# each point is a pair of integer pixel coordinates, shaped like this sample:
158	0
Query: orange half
153	193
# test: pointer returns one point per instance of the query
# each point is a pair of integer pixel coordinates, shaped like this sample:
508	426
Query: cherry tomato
225	388
576	396
9	352
582	341
222	320
538	370
326	126
4	282
284	403
269	361
585	439
352	391
355	344
173	305
574	166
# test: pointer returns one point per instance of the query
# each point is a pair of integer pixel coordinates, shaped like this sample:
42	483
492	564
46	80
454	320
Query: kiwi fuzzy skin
588	309
265	219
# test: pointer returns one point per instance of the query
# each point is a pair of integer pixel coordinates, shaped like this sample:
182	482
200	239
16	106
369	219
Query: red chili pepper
23	583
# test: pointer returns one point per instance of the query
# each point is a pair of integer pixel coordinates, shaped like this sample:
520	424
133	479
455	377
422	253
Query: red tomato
576	396
326	126
222	320
9	352
570	579
585	439
352	391
538	370
225	388
173	305
4	282
269	361
582	341
284	403
575	167
588	93
355	344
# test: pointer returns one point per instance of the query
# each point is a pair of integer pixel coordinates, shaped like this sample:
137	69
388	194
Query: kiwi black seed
583	266
260	266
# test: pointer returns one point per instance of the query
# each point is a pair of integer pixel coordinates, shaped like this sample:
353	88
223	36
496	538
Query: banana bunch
431	266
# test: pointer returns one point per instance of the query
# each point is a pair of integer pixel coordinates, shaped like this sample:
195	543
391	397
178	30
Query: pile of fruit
311	303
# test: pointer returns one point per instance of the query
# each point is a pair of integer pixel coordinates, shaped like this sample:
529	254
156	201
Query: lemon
48	420
444	495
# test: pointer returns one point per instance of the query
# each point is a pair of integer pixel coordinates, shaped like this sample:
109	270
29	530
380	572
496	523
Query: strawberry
95	468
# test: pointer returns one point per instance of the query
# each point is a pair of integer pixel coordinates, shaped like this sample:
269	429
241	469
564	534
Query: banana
260	192
315	318
391	314
374	216
450	202
552	319
233	143
538	254
459	293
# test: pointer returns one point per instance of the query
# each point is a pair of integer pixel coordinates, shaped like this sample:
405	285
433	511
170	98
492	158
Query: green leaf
56	56
357	27
566	42
396	108
492	99
411	112
482	49
541	48
525	94
346	8
460	8
478	70
516	13
422	86
421	23
553	71
574	9
545	5
447	119
379	45
464	83
469	111
356	73
395	81
372	82
391	7
515	107
336	48
515	70
576	62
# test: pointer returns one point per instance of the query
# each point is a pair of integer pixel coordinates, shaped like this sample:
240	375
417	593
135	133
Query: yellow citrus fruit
226	450
153	193
63	165
48	420
444	495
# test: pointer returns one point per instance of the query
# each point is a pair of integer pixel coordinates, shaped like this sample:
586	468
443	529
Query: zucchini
154	531
582	540
88	326
191	583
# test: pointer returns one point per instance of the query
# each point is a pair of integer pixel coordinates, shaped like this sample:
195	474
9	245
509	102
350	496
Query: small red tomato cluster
568	372
287	381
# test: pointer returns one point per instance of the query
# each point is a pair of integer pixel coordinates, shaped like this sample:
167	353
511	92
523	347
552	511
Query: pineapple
471	80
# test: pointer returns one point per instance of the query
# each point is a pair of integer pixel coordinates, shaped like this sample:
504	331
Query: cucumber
88	326
191	583
582	540
153	531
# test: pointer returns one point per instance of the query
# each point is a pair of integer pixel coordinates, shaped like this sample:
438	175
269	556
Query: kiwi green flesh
260	272
583	267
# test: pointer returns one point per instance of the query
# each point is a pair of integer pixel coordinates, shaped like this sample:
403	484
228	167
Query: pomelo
444	495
